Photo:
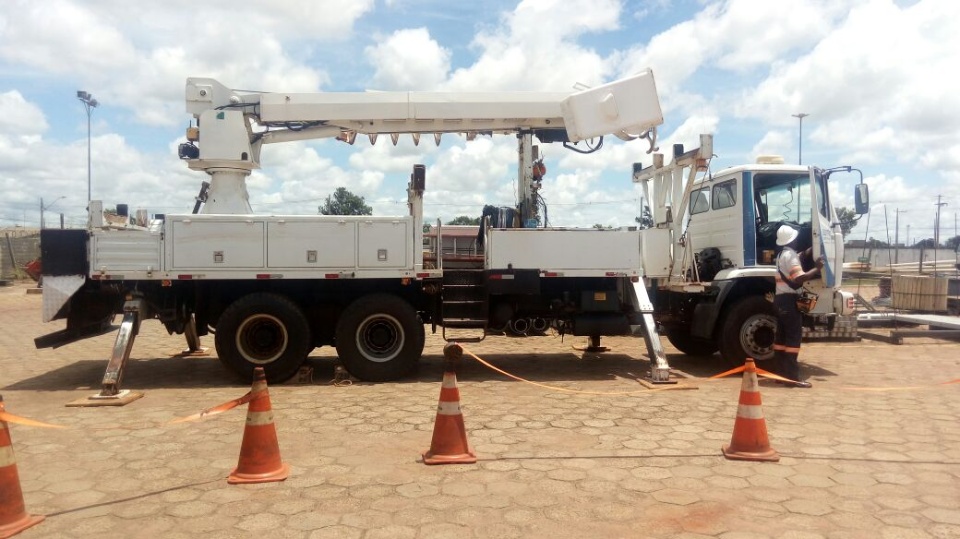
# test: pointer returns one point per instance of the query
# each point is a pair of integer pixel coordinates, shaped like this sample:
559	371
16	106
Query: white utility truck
273	287
710	248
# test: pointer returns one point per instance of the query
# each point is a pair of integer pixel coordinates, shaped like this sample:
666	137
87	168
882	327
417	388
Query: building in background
459	246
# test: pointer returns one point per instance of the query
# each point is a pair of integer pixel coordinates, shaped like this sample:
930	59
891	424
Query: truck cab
717	294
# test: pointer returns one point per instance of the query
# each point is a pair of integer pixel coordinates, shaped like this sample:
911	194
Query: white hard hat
786	234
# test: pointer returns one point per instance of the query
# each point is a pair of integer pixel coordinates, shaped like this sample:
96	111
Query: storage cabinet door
383	244
303	244
217	245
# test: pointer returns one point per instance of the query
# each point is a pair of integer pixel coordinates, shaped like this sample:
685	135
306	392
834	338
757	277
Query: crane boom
232	125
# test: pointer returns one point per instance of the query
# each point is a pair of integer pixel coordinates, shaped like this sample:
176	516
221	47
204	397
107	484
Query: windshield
783	197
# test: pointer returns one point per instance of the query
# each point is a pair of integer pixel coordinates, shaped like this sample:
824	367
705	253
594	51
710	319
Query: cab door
827	238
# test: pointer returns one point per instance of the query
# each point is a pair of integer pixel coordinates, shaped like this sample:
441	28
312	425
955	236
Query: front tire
692	346
379	338
263	330
748	329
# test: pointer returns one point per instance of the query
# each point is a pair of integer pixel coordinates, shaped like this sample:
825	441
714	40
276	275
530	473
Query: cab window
725	195
700	201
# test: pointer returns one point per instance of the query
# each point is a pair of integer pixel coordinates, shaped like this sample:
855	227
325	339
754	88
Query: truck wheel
692	346
263	330
379	338
748	330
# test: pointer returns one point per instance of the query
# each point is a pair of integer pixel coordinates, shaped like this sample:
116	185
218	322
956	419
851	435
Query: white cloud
536	48
297	177
408	60
469	169
871	85
137	55
19	117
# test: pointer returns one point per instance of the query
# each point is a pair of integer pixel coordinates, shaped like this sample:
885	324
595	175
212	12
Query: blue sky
872	75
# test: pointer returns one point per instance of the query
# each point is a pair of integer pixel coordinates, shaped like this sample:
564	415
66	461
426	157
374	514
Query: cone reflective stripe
259	451
749	440
13	512
449	444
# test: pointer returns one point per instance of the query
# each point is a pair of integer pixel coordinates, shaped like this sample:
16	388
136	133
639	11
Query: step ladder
464	305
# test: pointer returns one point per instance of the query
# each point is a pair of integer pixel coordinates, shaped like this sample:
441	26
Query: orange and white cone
259	452
749	441
449	445
13	512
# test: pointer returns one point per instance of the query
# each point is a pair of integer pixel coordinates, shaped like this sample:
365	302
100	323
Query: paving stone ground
872	451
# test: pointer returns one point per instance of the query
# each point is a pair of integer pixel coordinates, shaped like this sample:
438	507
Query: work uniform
786	345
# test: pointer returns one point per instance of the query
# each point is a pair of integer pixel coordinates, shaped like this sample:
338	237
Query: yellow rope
552	388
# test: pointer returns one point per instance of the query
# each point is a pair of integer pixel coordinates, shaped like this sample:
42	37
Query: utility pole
801	116
896	236
936	228
44	208
908	235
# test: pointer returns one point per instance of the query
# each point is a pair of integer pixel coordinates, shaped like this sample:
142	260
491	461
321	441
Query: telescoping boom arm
232	125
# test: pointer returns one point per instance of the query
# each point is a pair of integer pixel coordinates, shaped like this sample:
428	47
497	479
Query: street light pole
89	103
800	116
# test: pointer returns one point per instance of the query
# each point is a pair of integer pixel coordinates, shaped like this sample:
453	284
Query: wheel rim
262	339
757	335
380	338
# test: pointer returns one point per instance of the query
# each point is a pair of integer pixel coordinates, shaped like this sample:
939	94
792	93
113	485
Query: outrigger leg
193	341
110	392
659	368
594	346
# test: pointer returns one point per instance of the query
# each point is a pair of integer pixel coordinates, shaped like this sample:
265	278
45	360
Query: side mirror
861	199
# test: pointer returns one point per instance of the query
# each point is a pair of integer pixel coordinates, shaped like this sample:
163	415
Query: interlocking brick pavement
641	463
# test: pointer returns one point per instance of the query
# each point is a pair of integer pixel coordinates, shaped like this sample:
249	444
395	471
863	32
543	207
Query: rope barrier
760	372
549	387
10	418
215	410
768	374
220	408
337	381
341	378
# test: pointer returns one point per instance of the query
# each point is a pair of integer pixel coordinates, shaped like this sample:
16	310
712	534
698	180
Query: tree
598	226
877	244
465	220
953	243
343	202
848	219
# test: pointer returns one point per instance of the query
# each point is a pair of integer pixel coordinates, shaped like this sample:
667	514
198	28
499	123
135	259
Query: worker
790	278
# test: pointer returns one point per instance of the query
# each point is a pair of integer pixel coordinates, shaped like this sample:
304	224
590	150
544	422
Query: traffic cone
13	512
449	445
259	452
749	440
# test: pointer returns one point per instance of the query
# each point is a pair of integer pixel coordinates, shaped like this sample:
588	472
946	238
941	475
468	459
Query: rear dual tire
263	330
379	338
